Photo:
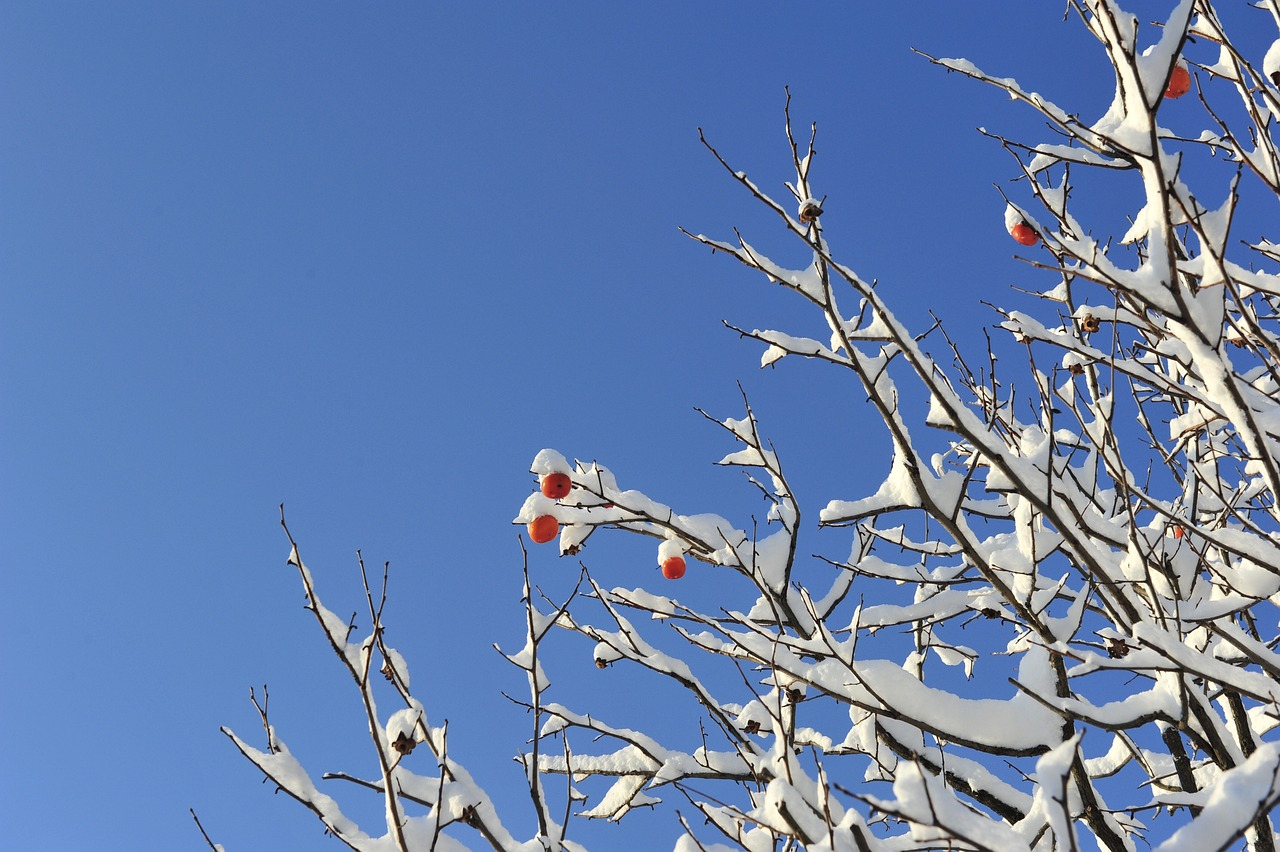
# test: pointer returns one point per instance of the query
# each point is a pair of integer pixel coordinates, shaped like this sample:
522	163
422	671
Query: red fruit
1179	82
1025	234
1179	532
556	485
543	528
673	567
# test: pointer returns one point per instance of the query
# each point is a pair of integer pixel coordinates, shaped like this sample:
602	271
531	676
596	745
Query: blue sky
366	260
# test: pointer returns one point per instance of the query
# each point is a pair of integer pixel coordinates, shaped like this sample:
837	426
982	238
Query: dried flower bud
752	727
809	212
1116	648
1090	323
404	743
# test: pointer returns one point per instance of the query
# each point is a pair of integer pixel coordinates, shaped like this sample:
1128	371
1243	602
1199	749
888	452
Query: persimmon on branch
1053	625
1142	540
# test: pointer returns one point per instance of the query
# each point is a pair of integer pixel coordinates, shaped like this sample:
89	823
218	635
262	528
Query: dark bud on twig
809	212
404	743
1116	648
752	727
602	663
1076	369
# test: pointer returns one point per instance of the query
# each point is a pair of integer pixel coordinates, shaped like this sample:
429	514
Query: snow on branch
1055	625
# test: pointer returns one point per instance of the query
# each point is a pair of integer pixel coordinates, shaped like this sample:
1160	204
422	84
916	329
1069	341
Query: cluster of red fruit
545	527
542	529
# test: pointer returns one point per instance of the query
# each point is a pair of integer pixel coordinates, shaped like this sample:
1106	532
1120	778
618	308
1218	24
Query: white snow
1231	804
550	461
1271	64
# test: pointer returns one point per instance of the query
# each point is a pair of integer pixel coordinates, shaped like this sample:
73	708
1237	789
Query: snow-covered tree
1086	570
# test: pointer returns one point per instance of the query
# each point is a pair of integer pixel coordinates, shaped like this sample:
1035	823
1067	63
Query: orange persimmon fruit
543	528
556	485
673	567
1179	81
1025	234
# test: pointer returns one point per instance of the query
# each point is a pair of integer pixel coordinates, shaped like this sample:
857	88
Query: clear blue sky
367	259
